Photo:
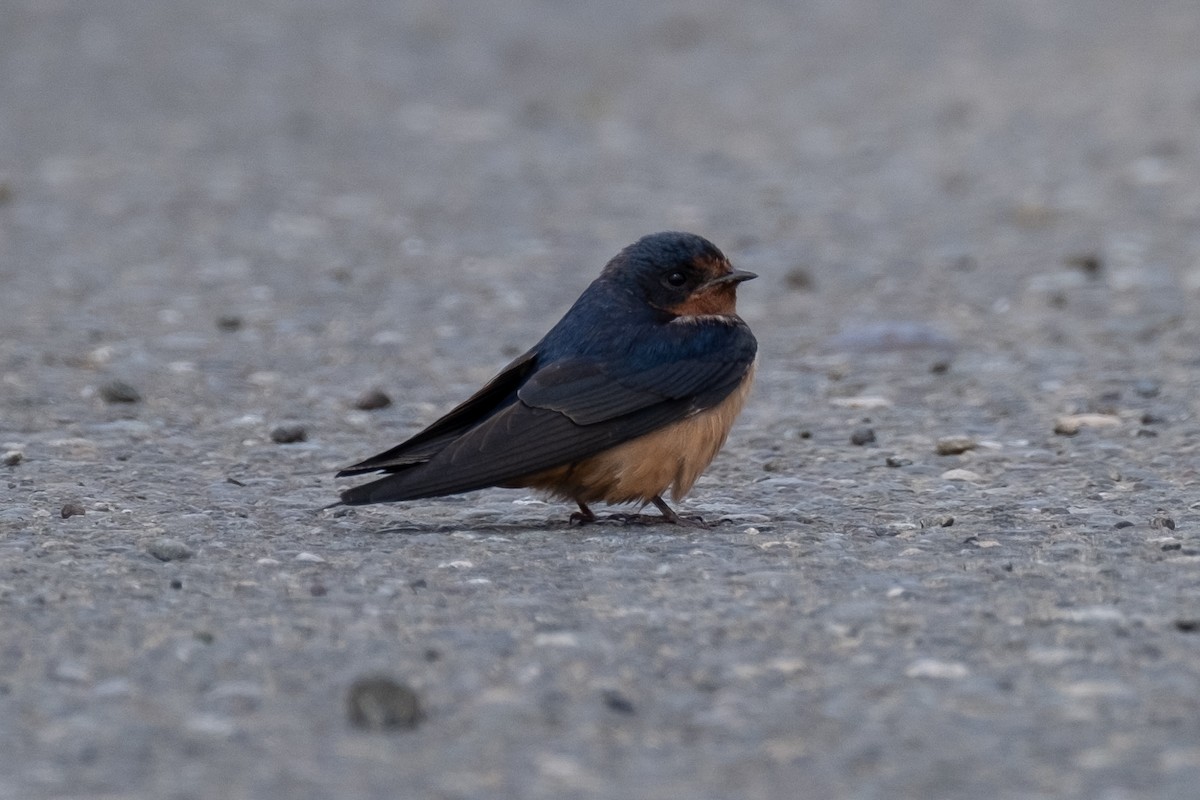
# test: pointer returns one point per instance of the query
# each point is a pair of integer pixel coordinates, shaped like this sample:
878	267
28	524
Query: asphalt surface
954	550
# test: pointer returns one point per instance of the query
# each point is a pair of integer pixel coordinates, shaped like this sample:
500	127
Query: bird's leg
584	516
669	514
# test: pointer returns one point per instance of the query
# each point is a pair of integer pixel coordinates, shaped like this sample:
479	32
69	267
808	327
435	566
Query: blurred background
354	191
865	149
970	216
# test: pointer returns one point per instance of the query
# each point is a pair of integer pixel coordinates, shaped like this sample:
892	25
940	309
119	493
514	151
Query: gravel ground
956	553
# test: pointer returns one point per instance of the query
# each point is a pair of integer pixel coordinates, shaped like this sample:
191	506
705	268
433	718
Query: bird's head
679	273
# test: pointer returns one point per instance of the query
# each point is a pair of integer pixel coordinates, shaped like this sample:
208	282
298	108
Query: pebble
861	402
166	549
289	434
12	457
70	672
897	461
1071	424
311	558
119	392
961	475
235	697
372	400
229	323
72	510
862	436
1147	388
954	445
378	703
1090	264
931	668
799	278
616	701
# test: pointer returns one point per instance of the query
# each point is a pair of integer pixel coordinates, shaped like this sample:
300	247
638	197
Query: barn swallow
631	393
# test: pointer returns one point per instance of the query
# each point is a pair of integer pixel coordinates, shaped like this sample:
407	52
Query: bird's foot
584	516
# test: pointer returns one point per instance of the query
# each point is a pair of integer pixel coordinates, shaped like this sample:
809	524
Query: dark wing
573	409
421	447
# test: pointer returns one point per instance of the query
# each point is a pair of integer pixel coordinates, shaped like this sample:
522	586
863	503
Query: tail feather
390	488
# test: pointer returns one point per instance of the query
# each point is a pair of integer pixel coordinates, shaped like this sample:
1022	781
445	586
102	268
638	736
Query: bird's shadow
611	523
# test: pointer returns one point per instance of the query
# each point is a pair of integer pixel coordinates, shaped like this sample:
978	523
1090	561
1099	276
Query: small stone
1090	264
372	400
1187	625
229	323
799	278
235	697
166	549
70	672
897	461
616	701
12	457
378	703
311	558
1147	388
289	434
119	392
961	475
1071	424
939	521
862	436
861	402
1124	523
931	668
72	510
954	445
1162	521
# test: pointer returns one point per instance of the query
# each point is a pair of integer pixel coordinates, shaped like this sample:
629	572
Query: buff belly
672	457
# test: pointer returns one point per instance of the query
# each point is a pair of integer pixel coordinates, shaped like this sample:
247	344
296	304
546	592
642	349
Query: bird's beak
737	276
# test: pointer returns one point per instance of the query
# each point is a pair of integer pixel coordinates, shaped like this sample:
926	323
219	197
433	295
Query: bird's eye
676	278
